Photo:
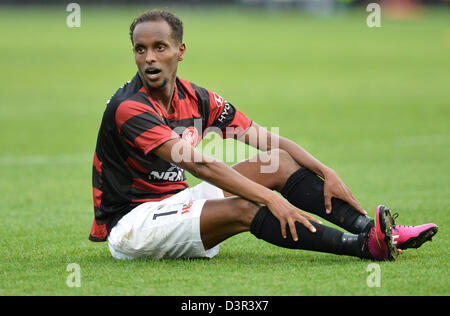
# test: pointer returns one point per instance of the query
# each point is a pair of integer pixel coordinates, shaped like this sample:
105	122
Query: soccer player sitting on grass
144	208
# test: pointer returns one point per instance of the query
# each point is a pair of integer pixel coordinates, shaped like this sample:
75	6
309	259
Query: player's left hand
335	188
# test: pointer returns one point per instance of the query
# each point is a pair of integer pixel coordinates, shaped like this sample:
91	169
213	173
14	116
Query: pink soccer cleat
379	245
404	237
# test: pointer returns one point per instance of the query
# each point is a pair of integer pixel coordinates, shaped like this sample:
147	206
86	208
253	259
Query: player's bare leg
223	218
253	169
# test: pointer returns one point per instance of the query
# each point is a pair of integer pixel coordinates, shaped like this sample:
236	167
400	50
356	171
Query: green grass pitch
372	103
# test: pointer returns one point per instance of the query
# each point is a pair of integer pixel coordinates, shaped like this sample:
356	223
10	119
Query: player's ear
181	50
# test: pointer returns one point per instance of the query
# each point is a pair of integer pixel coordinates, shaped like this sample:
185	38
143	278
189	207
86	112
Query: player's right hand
288	214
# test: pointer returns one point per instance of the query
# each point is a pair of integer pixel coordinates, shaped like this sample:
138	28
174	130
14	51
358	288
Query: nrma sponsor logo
174	173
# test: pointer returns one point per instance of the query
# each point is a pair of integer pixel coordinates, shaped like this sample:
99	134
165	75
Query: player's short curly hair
158	15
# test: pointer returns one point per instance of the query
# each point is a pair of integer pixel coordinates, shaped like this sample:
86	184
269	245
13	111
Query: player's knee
286	165
286	160
283	158
246	211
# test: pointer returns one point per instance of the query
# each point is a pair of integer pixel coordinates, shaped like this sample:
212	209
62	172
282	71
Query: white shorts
166	229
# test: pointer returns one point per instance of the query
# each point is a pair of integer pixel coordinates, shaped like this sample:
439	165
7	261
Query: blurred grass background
372	103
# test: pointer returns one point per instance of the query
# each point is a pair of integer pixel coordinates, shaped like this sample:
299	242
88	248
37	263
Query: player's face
156	53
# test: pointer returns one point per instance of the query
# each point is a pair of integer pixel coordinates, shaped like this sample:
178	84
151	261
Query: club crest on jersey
190	135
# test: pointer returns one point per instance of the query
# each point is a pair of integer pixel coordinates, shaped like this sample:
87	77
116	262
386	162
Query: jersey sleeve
225	119
141	127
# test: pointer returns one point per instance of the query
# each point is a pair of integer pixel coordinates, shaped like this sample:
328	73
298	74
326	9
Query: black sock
304	189
266	226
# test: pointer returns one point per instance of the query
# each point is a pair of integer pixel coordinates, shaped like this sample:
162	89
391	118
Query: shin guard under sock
266	226
304	189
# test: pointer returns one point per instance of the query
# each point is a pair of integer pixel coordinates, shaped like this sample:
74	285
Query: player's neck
163	95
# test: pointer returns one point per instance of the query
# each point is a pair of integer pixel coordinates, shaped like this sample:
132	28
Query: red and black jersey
126	173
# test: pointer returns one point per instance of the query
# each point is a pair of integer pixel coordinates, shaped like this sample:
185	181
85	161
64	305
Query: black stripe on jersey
97	181
138	124
181	93
142	98
125	91
100	216
203	104
180	125
137	194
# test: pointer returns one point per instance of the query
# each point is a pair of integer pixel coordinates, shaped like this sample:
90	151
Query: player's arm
221	175
262	139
